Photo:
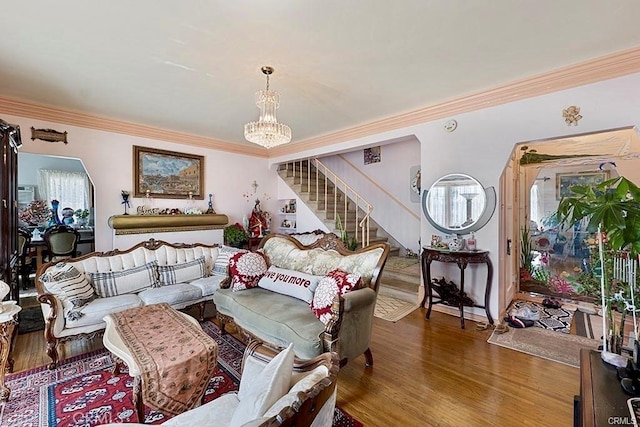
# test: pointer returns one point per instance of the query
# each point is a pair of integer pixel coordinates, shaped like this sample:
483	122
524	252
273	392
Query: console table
462	259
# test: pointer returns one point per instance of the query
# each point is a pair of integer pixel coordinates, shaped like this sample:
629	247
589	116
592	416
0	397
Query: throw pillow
181	273
335	283
246	269
290	282
221	264
129	281
71	286
262	391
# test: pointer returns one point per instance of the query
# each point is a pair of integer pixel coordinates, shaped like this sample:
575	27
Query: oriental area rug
82	391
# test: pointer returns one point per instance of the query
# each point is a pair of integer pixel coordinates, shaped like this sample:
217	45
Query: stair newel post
309	176
317	192
357	224
346	219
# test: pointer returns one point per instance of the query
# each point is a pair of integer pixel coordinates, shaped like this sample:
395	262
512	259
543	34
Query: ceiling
194	66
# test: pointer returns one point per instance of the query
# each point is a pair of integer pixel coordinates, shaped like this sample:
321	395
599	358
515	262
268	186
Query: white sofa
125	279
275	389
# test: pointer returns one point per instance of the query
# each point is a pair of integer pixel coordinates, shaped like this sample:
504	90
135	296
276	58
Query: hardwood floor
426	373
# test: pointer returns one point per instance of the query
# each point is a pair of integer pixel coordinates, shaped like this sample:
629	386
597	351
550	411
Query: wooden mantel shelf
137	224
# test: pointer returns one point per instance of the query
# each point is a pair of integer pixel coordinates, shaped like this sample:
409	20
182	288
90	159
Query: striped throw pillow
182	273
221	264
129	281
71	286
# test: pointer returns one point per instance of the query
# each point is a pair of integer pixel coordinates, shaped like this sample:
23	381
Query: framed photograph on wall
372	155
564	181
167	174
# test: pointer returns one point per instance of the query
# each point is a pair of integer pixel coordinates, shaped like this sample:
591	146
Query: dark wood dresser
602	401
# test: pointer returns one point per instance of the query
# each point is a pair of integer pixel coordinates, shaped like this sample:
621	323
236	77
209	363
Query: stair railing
362	233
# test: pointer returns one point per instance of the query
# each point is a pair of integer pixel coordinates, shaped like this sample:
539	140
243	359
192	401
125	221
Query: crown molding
592	71
595	70
32	110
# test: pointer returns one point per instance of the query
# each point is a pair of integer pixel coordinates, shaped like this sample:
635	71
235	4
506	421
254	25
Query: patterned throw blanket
176	358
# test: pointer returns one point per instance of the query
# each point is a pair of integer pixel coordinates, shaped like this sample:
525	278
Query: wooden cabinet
286	218
10	140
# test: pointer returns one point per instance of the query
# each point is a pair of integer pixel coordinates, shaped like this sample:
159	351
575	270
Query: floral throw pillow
246	269
336	282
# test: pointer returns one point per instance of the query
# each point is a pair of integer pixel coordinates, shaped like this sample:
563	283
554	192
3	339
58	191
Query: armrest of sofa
53	314
359	298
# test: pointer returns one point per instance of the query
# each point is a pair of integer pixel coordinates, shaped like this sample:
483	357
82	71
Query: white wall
306	219
397	214
108	159
484	139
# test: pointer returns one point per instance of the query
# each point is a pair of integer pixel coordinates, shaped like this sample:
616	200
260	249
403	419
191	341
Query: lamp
267	131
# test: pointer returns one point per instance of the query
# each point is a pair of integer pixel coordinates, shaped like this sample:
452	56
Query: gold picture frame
564	181
167	174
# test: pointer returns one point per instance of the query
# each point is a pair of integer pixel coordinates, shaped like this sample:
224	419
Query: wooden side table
8	323
462	259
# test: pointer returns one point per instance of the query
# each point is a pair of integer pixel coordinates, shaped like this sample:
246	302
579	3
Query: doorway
42	178
545	258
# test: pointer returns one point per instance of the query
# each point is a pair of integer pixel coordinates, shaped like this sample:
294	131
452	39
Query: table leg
428	291
461	302
487	290
6	333
137	398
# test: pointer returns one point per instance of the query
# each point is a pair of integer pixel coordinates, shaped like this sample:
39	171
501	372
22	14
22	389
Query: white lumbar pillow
265	389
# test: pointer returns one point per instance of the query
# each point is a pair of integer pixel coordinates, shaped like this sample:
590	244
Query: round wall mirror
458	204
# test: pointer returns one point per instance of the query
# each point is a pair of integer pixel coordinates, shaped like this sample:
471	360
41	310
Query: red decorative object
246	269
336	282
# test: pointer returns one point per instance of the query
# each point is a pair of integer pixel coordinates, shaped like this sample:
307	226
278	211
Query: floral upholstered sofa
289	304
76	294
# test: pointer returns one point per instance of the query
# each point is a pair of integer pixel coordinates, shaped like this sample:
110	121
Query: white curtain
71	189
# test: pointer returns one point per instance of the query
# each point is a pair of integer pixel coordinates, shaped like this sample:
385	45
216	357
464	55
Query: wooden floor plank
425	373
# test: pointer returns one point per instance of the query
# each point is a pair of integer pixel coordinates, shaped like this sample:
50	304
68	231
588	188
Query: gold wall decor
48	135
137	224
571	115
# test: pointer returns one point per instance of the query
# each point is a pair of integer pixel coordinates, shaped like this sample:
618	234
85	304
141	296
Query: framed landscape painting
167	174
564	181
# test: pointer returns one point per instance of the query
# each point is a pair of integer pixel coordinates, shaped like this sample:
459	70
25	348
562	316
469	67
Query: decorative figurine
210	208
125	201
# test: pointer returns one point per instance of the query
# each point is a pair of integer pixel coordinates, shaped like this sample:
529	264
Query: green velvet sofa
279	319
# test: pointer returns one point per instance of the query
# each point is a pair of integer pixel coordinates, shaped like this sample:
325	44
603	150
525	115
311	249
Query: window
71	189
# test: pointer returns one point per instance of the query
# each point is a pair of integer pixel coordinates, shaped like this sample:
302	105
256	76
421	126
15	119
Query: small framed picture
564	181
372	155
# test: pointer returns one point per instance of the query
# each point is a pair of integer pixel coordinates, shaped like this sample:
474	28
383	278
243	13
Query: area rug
83	392
392	309
554	319
30	320
539	342
400	263
590	325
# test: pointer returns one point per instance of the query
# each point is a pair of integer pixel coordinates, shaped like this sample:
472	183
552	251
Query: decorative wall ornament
531	156
571	115
450	125
48	135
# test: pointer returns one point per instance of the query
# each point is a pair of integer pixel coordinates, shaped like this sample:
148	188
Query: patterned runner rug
83	392
392	309
561	348
554	319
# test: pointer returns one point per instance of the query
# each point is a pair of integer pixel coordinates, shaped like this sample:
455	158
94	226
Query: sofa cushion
180	273
94	312
302	383
129	281
71	286
171	294
218	412
336	282
265	389
246	269
274	318
208	285
289	282
221	264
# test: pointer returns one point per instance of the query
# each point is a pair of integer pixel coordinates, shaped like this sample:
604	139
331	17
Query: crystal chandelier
267	131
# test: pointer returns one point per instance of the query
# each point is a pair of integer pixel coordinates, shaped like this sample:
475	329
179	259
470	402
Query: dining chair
24	261
61	242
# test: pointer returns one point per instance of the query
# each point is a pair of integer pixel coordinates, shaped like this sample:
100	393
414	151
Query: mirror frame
483	219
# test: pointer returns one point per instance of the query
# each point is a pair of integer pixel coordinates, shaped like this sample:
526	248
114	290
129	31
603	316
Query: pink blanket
176	358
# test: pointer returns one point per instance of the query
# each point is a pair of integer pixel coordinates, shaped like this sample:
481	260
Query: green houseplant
613	212
235	235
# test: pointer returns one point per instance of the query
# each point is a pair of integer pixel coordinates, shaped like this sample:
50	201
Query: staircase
330	197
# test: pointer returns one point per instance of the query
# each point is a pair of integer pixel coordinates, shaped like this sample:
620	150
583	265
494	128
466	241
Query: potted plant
613	212
82	215
235	235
